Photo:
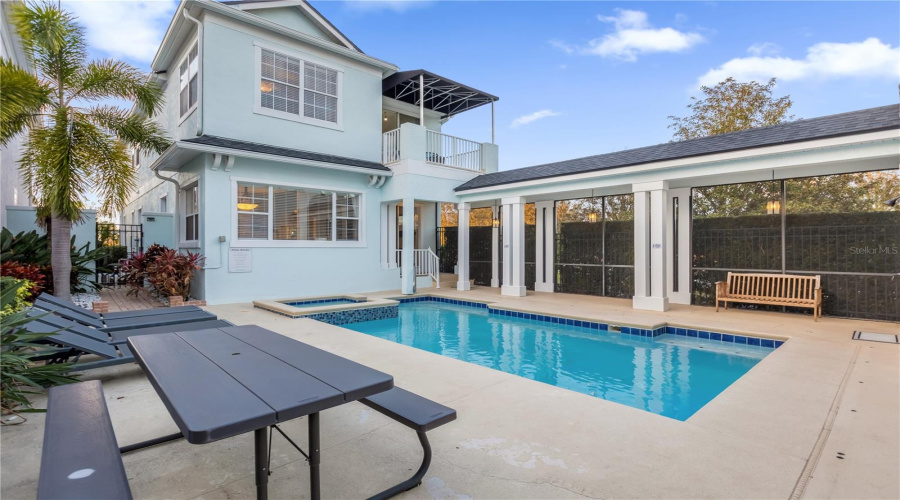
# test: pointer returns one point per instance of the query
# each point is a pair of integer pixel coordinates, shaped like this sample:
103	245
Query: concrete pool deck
775	433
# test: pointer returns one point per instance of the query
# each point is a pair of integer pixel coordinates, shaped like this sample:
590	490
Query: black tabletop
222	382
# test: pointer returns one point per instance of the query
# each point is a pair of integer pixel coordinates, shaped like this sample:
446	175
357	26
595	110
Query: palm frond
108	78
135	130
50	165
22	96
52	38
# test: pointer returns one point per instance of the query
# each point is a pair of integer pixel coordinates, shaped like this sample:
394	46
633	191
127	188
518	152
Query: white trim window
188	74
296	215
299	90
191	219
164	203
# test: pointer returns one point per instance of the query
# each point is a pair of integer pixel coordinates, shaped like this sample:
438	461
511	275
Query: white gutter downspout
196	21
177	221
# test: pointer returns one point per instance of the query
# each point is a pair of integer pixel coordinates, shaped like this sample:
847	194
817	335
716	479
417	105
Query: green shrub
20	299
34	248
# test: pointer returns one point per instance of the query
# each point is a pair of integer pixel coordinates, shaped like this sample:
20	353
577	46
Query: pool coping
676	328
278	306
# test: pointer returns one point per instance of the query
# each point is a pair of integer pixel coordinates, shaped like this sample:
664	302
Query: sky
583	78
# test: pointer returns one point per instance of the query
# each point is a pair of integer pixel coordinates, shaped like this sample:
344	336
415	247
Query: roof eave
616	169
190	147
163	55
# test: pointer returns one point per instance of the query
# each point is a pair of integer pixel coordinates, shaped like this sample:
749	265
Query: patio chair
52	299
76	345
121	336
112	325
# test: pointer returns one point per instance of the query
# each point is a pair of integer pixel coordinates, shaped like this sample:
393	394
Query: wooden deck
119	300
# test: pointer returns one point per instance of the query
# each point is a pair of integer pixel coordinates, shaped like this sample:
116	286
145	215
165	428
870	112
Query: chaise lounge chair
149	317
77	339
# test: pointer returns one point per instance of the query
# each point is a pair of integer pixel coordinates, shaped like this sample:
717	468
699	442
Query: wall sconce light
773	207
592	217
495	222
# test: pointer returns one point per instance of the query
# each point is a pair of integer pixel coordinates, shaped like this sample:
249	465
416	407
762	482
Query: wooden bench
80	457
417	413
771	289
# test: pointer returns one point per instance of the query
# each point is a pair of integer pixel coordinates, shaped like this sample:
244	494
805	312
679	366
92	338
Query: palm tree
76	143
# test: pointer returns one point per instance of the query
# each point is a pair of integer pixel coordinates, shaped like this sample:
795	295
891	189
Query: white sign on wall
240	260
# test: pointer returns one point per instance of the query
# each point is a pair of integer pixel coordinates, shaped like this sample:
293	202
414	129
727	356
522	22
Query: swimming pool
670	375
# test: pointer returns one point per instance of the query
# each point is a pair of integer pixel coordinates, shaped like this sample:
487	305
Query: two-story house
295	154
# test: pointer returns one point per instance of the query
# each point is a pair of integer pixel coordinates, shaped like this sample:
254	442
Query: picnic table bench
219	383
771	289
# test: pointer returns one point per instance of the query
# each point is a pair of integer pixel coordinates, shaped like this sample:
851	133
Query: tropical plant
22	295
20	375
32	274
32	248
170	273
731	106
75	144
164	271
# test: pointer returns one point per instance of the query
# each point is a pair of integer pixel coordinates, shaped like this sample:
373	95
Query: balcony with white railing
416	143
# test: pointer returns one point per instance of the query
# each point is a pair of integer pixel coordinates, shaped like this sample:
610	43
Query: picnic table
222	382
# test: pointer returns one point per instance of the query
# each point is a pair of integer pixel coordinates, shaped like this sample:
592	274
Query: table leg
314	458
261	445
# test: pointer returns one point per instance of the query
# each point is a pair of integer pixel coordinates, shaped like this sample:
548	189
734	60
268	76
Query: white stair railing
425	262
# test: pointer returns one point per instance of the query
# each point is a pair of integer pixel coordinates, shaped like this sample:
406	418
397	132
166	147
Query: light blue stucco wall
158	229
230	93
20	219
292	271
294	19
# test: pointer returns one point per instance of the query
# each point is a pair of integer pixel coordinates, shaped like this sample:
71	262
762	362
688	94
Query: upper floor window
279	213
295	87
188	73
192	213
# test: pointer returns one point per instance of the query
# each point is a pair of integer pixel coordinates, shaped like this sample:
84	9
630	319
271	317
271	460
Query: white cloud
869	58
633	36
533	117
124	29
397	6
563	46
763	49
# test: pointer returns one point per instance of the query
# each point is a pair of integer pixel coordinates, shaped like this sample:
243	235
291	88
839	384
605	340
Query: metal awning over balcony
425	89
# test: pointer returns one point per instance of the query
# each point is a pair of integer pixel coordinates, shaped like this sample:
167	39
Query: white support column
422	100
495	248
462	252
545	229
679	228
650	277
408	264
513	247
392	235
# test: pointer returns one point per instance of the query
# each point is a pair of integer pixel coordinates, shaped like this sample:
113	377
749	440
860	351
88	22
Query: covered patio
660	225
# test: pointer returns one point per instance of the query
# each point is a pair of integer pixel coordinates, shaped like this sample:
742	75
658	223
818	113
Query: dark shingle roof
220	142
854	122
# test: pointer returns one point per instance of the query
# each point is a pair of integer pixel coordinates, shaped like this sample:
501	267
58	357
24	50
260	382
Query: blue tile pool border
629	330
342	300
344	316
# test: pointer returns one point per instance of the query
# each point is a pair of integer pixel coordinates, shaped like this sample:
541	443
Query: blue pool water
321	302
668	375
